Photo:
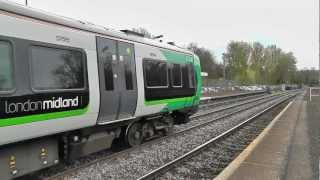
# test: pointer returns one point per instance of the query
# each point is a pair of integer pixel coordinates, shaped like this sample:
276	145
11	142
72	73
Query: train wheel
147	130
181	118
134	134
169	121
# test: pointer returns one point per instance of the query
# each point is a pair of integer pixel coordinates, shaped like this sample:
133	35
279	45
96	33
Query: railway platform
287	149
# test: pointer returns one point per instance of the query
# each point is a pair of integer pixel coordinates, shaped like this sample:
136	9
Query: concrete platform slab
284	150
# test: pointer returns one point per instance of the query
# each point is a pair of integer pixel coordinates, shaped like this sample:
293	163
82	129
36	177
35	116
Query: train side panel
32	126
153	100
143	52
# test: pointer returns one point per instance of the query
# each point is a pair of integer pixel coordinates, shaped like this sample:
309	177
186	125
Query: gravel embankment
177	128
200	120
210	162
142	160
215	104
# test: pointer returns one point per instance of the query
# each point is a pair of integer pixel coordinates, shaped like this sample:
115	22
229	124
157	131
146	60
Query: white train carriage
69	88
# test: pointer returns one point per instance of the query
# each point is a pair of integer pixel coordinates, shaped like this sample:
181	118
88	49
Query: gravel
142	160
214	104
204	119
118	147
210	162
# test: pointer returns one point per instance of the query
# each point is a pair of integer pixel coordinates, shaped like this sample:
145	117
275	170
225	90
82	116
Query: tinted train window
108	54
6	79
126	56
191	72
156	73
176	75
57	69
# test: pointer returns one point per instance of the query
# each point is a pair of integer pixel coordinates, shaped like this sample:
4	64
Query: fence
316	90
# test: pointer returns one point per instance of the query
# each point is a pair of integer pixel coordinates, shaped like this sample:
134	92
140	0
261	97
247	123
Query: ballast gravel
204	119
214	104
177	128
140	161
211	161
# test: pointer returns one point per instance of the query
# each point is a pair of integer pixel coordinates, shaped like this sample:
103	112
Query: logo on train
45	105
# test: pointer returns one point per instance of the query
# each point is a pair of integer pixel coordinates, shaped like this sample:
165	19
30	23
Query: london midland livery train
70	88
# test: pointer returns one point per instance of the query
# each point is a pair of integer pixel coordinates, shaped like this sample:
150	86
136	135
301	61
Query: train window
191	73
6	74
126	56
57	69
108	55
176	75
156	73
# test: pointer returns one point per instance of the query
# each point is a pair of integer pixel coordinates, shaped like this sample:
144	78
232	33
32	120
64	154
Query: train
69	88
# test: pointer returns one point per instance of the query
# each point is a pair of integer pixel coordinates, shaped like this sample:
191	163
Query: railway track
224	98
196	121
67	172
202	120
241	103
228	101
199	149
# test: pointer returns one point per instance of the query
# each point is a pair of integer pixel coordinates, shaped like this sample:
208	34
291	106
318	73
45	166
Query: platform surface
289	150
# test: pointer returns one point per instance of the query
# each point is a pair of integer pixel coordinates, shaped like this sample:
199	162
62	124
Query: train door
128	83
117	76
190	78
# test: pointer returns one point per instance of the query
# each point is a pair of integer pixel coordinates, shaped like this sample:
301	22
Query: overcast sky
292	25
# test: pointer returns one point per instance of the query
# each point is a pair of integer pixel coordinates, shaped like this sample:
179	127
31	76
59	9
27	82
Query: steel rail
228	101
232	96
117	154
233	106
164	168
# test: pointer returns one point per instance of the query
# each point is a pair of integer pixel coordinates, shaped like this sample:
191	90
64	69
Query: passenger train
69	88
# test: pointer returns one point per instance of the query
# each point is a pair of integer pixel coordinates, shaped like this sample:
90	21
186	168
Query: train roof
22	10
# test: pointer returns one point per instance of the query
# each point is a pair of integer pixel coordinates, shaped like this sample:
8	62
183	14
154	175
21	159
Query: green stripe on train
41	117
166	101
178	103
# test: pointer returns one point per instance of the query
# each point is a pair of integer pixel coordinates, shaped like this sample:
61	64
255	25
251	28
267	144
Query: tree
208	61
308	77
257	62
254	64
280	66
236	61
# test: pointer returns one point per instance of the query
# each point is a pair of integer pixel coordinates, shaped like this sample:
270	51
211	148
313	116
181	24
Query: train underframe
23	158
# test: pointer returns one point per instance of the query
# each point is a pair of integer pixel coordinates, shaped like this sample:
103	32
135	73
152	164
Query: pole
224	69
26	2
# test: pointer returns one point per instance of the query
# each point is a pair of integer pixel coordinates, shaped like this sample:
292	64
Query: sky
293	25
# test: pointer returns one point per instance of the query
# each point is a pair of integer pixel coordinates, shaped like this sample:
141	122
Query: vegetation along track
133	163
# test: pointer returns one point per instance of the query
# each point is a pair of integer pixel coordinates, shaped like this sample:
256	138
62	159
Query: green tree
308	77
257	63
254	64
236	61
208	61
